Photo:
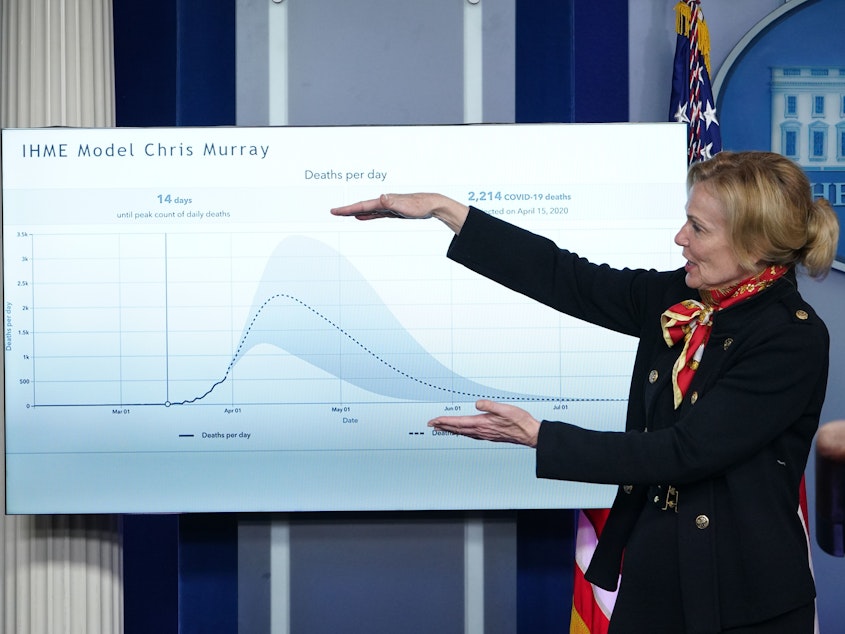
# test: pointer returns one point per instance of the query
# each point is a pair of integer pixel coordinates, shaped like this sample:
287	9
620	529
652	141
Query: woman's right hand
417	206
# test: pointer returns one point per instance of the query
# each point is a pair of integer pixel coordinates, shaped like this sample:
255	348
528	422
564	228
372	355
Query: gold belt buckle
671	499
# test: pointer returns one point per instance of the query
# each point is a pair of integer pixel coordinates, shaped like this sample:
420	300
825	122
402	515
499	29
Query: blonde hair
770	210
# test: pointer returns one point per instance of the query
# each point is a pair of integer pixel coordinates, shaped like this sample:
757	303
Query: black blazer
736	448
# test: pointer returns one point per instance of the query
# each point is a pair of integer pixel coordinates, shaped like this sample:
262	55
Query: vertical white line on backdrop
474	575
473	62
279	576
277	43
473	113
278	61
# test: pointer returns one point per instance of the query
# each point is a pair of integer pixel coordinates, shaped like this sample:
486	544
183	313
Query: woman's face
711	262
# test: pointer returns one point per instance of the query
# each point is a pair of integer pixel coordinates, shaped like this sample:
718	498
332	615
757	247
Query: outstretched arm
418	206
498	422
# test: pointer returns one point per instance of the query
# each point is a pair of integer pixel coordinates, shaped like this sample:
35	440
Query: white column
277	21
280	575
473	62
474	574
60	573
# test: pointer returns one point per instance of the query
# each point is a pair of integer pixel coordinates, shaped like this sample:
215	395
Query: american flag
591	606
692	95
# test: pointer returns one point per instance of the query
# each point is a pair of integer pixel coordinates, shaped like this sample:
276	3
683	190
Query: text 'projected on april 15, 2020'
201	301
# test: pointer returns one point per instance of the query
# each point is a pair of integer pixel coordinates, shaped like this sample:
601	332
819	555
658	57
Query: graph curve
314	304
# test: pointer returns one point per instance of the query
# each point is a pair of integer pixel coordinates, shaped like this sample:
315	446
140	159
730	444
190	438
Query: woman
728	382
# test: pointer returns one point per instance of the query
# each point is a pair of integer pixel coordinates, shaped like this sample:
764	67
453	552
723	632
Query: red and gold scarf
692	321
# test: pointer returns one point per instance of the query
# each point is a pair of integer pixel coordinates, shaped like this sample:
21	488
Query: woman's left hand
498	422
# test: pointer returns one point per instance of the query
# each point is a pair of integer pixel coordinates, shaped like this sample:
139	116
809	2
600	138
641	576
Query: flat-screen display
188	329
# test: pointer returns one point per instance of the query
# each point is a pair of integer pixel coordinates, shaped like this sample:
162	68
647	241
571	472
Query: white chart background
193	331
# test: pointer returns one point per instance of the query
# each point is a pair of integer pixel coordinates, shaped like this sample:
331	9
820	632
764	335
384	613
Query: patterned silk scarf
692	321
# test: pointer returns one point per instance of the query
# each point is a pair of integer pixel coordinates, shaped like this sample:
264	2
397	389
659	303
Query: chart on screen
186	320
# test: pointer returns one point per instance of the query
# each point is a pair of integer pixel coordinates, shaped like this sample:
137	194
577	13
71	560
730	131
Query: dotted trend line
371	353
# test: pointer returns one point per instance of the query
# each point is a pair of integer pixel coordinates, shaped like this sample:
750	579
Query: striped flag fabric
804	514
591	606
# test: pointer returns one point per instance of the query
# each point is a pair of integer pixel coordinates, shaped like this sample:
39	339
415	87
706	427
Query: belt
665	497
